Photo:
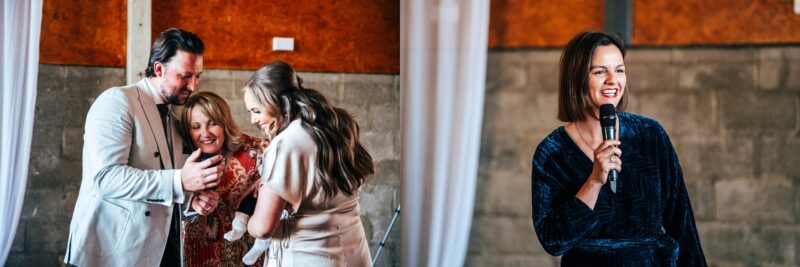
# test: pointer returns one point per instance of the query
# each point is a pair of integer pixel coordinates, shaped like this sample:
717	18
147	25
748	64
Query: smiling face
606	77
207	134
259	116
179	77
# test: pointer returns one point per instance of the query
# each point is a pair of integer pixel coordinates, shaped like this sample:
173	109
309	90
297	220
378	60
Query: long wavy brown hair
342	162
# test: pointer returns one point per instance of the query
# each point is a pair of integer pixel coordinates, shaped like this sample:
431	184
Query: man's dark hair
168	43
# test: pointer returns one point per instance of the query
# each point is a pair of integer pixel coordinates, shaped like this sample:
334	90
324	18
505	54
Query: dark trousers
172	252
248	205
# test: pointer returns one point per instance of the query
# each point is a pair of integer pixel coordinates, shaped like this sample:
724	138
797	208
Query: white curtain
19	55
442	72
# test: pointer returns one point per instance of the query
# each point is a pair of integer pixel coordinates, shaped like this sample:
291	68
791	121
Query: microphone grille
608	115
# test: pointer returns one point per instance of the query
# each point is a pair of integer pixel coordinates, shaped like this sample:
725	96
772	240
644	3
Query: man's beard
174	99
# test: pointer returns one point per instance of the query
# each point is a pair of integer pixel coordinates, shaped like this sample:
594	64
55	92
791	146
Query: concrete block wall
732	113
65	94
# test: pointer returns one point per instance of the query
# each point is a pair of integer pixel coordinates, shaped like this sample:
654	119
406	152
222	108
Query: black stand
389	230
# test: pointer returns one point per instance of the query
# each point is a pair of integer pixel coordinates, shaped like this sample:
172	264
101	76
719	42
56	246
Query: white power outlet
797	7
282	44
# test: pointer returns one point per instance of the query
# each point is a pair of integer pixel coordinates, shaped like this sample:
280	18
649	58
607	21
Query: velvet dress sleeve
560	219
678	219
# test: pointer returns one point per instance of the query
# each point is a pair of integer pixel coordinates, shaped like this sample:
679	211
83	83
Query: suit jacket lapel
153	119
177	142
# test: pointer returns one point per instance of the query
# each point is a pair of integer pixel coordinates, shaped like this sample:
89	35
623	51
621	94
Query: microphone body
608	123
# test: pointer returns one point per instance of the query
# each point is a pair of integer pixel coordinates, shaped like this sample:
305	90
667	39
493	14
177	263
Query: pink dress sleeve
288	170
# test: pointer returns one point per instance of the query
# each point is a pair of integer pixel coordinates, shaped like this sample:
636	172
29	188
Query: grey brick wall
733	114
65	94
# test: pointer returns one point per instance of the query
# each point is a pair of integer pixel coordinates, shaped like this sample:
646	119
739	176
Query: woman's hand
606	158
204	202
257	188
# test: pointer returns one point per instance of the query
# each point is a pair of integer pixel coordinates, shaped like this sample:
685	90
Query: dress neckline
576	149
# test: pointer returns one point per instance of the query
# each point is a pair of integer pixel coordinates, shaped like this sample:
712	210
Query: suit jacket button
147	213
156	154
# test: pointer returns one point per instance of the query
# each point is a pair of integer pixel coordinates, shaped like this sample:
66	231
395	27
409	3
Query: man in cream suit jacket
134	179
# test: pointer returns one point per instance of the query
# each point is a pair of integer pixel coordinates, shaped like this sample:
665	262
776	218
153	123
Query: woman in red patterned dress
208	124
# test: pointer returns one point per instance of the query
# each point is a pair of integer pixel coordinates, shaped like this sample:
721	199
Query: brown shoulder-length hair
342	162
216	109
573	76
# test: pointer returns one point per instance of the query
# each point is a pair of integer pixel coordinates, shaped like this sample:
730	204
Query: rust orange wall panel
541	23
336	36
717	22
83	32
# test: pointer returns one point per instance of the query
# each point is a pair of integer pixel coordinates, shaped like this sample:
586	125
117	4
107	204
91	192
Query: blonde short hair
215	108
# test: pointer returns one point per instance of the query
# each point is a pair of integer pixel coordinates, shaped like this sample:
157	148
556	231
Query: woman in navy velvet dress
648	221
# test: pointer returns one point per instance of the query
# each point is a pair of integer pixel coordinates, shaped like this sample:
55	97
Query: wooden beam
138	45
619	19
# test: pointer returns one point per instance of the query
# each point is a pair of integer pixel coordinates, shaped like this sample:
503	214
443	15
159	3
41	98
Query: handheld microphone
608	122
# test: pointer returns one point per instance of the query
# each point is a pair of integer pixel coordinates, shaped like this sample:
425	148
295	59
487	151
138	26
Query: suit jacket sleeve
109	137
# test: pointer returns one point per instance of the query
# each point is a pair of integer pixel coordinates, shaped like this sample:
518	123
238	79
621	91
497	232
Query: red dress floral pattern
203	241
